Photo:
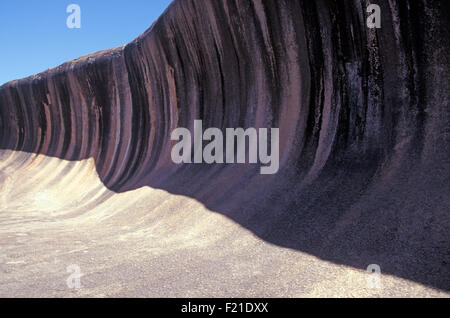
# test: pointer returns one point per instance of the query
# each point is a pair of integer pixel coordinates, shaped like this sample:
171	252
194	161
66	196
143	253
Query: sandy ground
148	243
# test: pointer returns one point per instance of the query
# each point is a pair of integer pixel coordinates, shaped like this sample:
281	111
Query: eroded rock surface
364	146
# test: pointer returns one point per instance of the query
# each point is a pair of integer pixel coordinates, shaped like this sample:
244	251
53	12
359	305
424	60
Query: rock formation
363	117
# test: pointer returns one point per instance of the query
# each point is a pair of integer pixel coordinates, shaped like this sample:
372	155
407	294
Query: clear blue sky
34	35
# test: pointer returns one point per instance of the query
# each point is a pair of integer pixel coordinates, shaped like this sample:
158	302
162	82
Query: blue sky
34	35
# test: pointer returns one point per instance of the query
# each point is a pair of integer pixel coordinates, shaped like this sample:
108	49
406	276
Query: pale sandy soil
147	243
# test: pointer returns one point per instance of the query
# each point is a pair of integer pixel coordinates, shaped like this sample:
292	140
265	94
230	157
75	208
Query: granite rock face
363	117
